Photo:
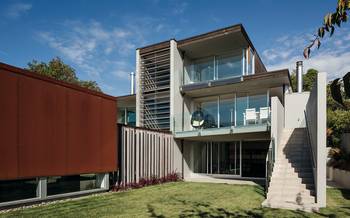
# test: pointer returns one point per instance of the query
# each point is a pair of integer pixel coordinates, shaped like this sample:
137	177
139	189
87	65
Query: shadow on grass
152	212
345	193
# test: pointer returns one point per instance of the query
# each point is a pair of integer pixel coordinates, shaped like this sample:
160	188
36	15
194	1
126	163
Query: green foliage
57	69
308	80
330	21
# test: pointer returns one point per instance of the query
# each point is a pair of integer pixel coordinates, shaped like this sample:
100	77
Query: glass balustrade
235	110
214	68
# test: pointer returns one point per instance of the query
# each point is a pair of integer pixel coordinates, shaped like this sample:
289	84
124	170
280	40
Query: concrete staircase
292	182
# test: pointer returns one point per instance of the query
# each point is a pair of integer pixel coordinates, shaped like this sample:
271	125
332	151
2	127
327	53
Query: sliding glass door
222	158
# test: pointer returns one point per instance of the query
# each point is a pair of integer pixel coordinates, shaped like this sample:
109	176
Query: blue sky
99	38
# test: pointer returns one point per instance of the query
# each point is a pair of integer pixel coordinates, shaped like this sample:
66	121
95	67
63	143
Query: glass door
217	158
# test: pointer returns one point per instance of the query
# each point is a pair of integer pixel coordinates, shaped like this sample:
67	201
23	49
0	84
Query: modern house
231	118
205	107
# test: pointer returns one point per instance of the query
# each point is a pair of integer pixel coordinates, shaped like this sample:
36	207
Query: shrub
153	180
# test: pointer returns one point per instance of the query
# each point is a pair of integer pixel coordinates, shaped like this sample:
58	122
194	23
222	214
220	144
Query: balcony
225	114
228	65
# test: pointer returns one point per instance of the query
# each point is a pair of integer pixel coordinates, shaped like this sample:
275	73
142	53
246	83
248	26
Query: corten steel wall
49	128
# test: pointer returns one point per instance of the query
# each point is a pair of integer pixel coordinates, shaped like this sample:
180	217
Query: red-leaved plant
153	180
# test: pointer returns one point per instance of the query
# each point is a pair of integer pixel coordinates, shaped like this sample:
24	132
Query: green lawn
182	199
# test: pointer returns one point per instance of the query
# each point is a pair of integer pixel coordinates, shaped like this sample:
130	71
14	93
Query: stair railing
270	161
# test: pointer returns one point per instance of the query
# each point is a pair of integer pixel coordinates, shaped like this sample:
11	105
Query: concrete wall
295	104
137	87
345	142
277	121
176	101
340	177
316	118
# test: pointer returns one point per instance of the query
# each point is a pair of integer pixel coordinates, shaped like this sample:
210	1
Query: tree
57	69
308	80
330	21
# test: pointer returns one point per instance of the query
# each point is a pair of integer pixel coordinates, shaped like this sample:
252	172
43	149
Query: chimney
132	83
299	74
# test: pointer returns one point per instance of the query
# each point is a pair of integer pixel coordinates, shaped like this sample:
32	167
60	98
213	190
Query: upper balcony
217	58
227	65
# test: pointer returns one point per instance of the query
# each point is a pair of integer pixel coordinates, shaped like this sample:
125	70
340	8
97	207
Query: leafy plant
330	21
57	69
143	182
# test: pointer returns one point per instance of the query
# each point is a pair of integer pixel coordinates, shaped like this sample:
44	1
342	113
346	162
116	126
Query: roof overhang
127	101
218	41
238	84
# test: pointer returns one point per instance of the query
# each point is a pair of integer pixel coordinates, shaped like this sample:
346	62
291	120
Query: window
66	184
229	66
217	158
13	190
227	111
210	112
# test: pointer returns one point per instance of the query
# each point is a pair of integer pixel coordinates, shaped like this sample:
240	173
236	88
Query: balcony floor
257	131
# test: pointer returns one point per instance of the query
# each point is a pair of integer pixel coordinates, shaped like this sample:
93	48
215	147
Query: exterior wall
145	153
51	128
138	88
345	141
277	121
295	104
316	118
176	101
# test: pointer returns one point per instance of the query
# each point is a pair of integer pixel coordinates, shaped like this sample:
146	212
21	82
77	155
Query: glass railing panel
224	112
228	66
213	68
227	111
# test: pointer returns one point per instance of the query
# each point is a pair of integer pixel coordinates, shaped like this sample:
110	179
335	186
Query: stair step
293	170
290	206
280	185
292	174
286	190
292	198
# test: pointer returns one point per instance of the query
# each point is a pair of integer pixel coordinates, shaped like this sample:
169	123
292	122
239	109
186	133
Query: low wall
145	153
345	142
340	177
277	121
295	104
316	119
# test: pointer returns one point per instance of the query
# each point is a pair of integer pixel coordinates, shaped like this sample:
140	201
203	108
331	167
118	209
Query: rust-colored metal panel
42	138
53	128
109	136
83	133
8	126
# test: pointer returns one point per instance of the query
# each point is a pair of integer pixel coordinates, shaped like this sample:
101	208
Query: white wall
137	87
176	71
316	118
277	121
295	104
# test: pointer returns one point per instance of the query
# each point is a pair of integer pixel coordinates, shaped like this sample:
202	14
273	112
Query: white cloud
180	7
16	10
333	56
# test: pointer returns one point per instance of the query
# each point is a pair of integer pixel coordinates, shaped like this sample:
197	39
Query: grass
182	199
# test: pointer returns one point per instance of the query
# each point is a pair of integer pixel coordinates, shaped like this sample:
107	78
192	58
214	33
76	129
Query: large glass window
241	106
217	158
65	184
228	66
203	70
227	111
210	113
200	158
258	101
13	190
214	67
